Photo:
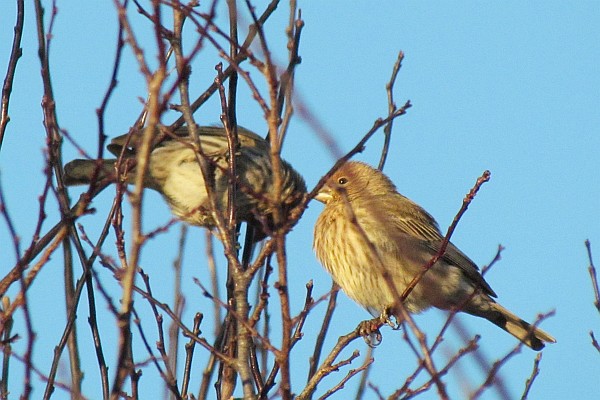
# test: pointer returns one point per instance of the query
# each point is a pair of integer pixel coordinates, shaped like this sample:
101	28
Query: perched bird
174	171
368	230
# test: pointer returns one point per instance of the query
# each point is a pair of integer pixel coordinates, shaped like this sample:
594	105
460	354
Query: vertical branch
364	376
387	130
111	87
189	351
314	360
72	301
594	278
200	100
227	373
5	316
286	91
15	54
54	154
238	297
178	303
534	373
155	81
229	118
273	120
7	322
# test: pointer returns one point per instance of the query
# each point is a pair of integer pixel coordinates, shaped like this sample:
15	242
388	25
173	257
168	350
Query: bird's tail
80	172
530	335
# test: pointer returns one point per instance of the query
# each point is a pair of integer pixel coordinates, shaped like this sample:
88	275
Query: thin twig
314	359
378	124
15	54
189	354
442	249
593	276
409	393
493	371
496	258
534	373
326	366
387	130
364	376
348	376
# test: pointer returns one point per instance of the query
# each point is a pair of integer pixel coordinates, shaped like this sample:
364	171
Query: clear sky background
511	86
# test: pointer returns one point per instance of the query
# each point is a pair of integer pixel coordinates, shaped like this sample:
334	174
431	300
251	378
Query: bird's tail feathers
530	335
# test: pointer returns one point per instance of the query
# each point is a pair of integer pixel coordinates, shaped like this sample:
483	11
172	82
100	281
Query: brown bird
368	227
174	172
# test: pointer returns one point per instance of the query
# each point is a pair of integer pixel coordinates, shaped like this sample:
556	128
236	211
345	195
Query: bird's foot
386	319
369	330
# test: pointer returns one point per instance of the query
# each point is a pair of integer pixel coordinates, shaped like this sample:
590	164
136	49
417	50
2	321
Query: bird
369	236
174	171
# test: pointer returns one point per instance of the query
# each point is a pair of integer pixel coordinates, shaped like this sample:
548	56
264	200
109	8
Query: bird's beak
324	195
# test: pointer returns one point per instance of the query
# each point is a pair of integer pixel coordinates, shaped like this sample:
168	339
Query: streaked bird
174	171
368	228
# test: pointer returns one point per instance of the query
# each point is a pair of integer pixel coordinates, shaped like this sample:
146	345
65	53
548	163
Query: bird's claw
386	319
369	330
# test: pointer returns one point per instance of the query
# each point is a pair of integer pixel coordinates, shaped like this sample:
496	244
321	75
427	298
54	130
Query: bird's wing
417	229
212	138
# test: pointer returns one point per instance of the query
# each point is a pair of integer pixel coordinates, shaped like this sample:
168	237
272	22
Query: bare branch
534	373
387	130
15	54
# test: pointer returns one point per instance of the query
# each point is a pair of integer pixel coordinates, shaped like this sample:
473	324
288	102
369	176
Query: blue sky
512	87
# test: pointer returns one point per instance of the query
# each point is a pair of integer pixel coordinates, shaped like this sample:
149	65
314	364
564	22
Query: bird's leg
386	318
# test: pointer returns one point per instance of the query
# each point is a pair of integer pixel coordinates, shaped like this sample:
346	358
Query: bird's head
353	180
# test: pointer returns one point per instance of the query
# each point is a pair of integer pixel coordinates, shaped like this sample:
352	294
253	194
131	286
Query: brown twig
378	124
155	82
387	130
167	373
534	373
442	250
178	302
593	276
286	89
348	376
439	338
189	354
493	371
6	342
328	366
100	112
314	359
406	393
15	54
255	334
496	258
42	377
242	56
364	376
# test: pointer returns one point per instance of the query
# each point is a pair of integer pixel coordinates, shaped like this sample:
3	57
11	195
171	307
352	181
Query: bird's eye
342	181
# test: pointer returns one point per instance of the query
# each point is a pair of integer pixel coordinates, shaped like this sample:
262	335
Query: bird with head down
174	171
